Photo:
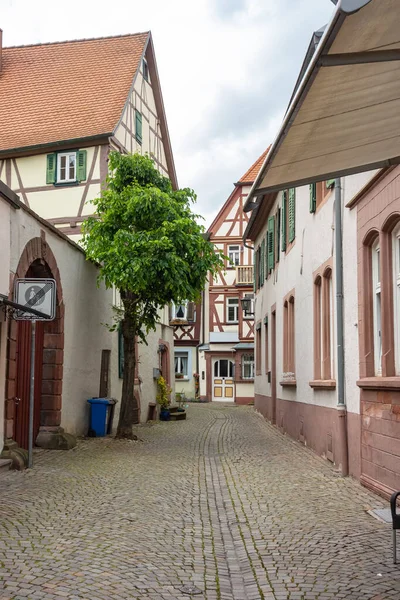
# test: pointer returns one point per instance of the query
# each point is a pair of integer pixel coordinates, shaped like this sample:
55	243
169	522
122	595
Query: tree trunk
129	413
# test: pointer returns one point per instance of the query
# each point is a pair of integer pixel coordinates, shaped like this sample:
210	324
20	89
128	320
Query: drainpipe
341	405
202	335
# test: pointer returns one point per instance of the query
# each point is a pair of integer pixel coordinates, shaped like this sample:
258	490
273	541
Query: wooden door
24	336
223	383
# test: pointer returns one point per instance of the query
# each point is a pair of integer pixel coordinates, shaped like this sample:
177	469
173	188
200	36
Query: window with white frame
181	364
232	310
66	167
179	311
396	294
234	255
248	366
376	305
249	314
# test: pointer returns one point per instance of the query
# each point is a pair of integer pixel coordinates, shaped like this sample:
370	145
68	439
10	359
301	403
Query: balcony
244	275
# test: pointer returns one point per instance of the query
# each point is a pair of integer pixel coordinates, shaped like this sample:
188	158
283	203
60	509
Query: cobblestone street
222	502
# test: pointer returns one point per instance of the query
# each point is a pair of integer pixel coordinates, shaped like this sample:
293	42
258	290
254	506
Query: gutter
343	9
73	142
341	400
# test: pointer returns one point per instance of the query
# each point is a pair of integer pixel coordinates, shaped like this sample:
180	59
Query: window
145	69
258	349
223	368
396	295
376	307
234	255
318	192
232	306
266	344
288	217
66	167
323	327
181	364
183	312
288	339
249	314
138	126
247	366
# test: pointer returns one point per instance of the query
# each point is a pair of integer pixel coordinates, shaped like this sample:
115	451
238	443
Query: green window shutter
120	353
138	126
271	243
266	256
313	197
292	214
278	233
81	165
51	168
254	271
262	263
330	183
259	266
284	217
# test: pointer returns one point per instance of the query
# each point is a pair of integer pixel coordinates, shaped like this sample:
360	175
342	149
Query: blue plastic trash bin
98	416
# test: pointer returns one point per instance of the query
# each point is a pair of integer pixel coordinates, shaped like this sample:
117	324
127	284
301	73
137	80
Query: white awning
345	115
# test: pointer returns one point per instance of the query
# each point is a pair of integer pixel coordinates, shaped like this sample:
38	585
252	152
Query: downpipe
341	400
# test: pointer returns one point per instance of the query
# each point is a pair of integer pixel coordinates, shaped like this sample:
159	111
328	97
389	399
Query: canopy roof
345	115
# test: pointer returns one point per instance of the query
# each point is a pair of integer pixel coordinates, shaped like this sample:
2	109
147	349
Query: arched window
396	294
376	306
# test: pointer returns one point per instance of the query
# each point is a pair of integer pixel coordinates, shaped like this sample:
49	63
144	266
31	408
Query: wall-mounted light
246	305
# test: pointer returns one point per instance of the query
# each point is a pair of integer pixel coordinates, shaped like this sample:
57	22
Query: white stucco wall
5	213
314	245
187	385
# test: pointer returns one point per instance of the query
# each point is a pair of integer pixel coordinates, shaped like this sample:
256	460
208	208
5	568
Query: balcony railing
244	275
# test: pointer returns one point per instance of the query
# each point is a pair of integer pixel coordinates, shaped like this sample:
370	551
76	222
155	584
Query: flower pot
165	415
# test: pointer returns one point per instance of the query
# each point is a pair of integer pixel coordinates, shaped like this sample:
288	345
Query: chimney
1	47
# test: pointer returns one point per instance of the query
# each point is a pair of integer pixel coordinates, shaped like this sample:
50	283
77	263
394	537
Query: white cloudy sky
227	69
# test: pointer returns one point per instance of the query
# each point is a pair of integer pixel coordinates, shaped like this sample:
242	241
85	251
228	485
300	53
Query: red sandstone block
9	408
51	387
10	389
50	418
9	429
52	372
51	402
396	409
53	357
12	349
54	340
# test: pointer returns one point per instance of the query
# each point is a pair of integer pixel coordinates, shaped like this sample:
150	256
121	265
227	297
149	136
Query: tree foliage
150	246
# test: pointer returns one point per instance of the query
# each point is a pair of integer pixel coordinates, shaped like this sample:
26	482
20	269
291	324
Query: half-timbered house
64	107
227	351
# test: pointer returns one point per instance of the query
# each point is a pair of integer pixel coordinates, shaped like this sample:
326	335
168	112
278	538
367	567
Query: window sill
66	183
181	378
246	379
379	383
323	384
288	383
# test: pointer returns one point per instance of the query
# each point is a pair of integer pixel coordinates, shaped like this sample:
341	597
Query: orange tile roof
65	90
252	173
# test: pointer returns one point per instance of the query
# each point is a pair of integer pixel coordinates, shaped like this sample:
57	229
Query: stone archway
37	260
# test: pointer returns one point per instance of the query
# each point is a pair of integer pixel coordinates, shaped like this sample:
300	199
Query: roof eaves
56	144
9	196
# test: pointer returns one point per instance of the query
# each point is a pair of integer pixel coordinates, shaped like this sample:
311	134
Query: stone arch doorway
37	260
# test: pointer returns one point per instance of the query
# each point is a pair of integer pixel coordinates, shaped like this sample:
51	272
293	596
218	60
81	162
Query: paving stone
221	501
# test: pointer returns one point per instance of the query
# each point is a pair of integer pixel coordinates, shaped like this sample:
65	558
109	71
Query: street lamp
246	305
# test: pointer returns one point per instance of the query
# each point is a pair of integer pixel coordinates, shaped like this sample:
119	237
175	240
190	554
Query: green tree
150	247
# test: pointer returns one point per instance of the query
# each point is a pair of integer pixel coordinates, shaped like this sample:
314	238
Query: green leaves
146	239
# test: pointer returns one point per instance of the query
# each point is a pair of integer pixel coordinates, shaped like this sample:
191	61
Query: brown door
273	368
24	336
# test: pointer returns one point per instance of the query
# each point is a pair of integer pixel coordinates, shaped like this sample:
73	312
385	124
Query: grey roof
244	346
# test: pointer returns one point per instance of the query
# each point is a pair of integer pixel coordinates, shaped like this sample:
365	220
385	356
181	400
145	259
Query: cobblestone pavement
222	501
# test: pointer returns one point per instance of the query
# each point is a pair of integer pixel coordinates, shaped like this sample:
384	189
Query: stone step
5	464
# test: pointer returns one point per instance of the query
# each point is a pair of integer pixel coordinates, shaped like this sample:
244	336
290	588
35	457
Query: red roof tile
65	90
252	173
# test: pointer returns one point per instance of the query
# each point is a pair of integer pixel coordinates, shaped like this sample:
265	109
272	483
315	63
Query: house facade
325	223
227	351
186	320
54	159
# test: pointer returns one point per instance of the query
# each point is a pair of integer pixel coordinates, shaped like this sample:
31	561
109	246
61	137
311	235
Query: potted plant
163	398
178	375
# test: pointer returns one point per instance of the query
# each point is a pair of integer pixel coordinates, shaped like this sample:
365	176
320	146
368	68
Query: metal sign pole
32	395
